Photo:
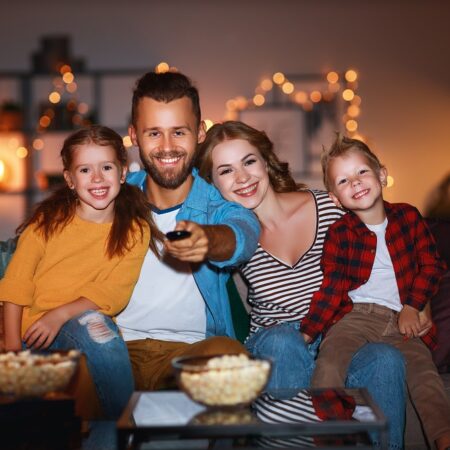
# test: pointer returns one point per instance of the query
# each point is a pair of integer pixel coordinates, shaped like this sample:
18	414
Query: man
180	304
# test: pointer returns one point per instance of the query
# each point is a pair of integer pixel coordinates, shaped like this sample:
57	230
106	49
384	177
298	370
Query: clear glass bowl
222	381
35	373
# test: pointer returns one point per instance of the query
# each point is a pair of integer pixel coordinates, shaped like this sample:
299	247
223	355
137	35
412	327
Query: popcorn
227	380
32	374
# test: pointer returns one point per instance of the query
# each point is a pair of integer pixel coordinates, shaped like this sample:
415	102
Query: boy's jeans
98	337
378	367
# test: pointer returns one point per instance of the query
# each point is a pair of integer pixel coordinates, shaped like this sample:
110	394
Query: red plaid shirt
347	260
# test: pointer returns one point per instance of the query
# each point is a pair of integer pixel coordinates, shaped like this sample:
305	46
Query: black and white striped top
298	409
279	292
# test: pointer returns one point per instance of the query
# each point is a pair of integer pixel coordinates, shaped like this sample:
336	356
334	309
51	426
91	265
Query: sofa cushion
440	311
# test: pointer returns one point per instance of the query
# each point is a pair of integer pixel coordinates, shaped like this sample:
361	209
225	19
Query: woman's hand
307	338
409	322
43	332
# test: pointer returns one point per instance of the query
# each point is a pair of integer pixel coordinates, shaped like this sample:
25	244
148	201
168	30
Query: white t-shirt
381	287
166	303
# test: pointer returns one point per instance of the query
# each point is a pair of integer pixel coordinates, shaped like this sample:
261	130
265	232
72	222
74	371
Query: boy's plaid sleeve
326	302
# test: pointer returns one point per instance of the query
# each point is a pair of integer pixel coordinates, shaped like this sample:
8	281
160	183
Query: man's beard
168	179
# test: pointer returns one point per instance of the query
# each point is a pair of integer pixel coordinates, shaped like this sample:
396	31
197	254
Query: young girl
76	263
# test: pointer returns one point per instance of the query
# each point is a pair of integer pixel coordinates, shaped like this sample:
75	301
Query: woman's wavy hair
279	174
131	210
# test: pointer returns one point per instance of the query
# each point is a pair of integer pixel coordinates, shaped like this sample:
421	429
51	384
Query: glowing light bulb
390	181
351	75
54	97
278	78
301	97
353	111
208	124
288	87
348	95
38	144
127	141
315	96
259	100
21	152
68	77
83	108
266	85
71	87
44	121
351	125
332	77
64	69
162	67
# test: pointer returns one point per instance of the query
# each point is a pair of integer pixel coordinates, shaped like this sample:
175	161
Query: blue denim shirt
206	206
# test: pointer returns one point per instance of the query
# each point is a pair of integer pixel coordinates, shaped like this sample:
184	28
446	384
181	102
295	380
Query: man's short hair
165	87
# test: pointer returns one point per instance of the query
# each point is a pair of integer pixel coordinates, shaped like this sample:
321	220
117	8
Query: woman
285	270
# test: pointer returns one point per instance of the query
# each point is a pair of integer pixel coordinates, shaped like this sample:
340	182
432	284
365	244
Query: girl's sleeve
112	294
17	285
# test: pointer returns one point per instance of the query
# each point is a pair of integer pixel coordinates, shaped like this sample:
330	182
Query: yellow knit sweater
71	264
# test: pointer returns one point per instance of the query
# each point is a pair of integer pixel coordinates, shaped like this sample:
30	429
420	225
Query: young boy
380	268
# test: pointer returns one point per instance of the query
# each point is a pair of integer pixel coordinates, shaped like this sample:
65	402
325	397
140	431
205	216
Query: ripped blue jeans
98	337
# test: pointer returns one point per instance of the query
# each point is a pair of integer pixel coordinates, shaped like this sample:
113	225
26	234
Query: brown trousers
375	323
151	358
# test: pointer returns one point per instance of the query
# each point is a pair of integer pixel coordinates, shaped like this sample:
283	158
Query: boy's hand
425	320
191	249
307	338
42	333
409	322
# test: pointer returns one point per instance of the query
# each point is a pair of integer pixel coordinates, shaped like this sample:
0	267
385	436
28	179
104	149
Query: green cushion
241	319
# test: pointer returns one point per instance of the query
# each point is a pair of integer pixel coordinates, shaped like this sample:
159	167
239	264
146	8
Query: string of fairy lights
346	85
64	88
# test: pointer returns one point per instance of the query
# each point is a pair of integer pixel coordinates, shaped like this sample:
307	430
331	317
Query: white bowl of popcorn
33	374
222	380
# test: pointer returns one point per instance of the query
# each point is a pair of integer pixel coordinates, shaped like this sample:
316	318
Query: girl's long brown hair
131	210
279	174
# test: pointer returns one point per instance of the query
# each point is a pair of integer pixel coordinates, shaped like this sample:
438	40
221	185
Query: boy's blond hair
341	146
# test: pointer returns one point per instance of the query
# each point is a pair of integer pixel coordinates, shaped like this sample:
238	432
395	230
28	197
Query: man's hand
425	320
42	333
409	322
307	338
215	242
191	249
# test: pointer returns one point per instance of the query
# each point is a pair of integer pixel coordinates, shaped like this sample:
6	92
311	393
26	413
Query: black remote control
178	235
